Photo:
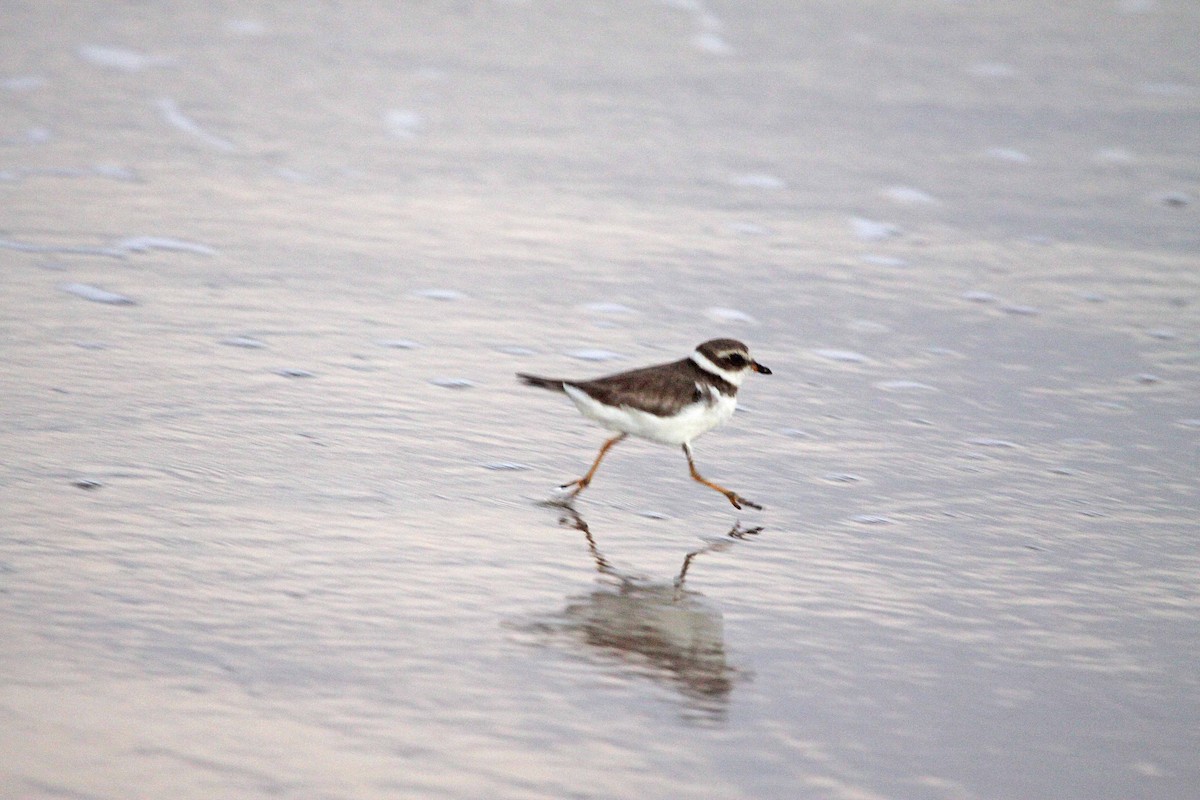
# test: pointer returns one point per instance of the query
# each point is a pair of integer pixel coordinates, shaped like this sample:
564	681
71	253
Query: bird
670	403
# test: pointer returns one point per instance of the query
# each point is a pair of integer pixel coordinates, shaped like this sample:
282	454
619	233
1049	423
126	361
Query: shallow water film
272	501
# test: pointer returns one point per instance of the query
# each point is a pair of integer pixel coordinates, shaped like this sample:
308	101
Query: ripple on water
115	172
867	326
730	315
843	356
27	247
142	244
120	58
589	354
1083	442
443	295
30	136
98	295
112	171
293	372
1017	309
748	229
608	308
23	83
989	442
452	383
1008	154
245	27
883	261
1113	155
712	43
403	124
175	117
757	180
910	196
870	230
1175	199
243	341
506	466
905	386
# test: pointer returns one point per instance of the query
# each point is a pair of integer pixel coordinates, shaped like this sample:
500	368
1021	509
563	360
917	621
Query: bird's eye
736	360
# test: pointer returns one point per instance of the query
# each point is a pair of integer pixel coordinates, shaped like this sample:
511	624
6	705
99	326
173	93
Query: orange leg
737	500
582	483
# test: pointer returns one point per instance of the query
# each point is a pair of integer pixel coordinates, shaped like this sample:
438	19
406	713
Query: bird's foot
739	501
574	487
565	493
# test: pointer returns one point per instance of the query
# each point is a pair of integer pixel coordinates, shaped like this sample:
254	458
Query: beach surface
272	518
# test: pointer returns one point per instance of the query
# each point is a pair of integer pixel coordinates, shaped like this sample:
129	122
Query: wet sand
272	496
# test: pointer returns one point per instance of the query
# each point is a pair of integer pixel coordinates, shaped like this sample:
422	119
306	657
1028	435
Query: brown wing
660	390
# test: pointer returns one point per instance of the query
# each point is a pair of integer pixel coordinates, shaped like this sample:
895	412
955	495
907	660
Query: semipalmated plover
668	403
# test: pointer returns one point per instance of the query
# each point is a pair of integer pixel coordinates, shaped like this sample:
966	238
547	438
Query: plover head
728	359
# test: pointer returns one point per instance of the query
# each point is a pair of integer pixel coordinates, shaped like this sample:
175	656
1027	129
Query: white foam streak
176	118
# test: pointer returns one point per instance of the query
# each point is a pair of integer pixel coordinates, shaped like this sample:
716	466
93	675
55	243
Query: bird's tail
552	384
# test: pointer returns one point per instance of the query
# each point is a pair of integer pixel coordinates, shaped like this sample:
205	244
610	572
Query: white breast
690	422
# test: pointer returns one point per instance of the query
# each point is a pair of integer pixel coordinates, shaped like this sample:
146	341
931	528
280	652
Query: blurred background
271	518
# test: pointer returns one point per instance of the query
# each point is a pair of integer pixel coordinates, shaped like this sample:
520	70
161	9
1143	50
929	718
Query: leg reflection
570	517
737	532
655	628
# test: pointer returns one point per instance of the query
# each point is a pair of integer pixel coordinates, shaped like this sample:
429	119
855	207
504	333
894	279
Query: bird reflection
661	629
